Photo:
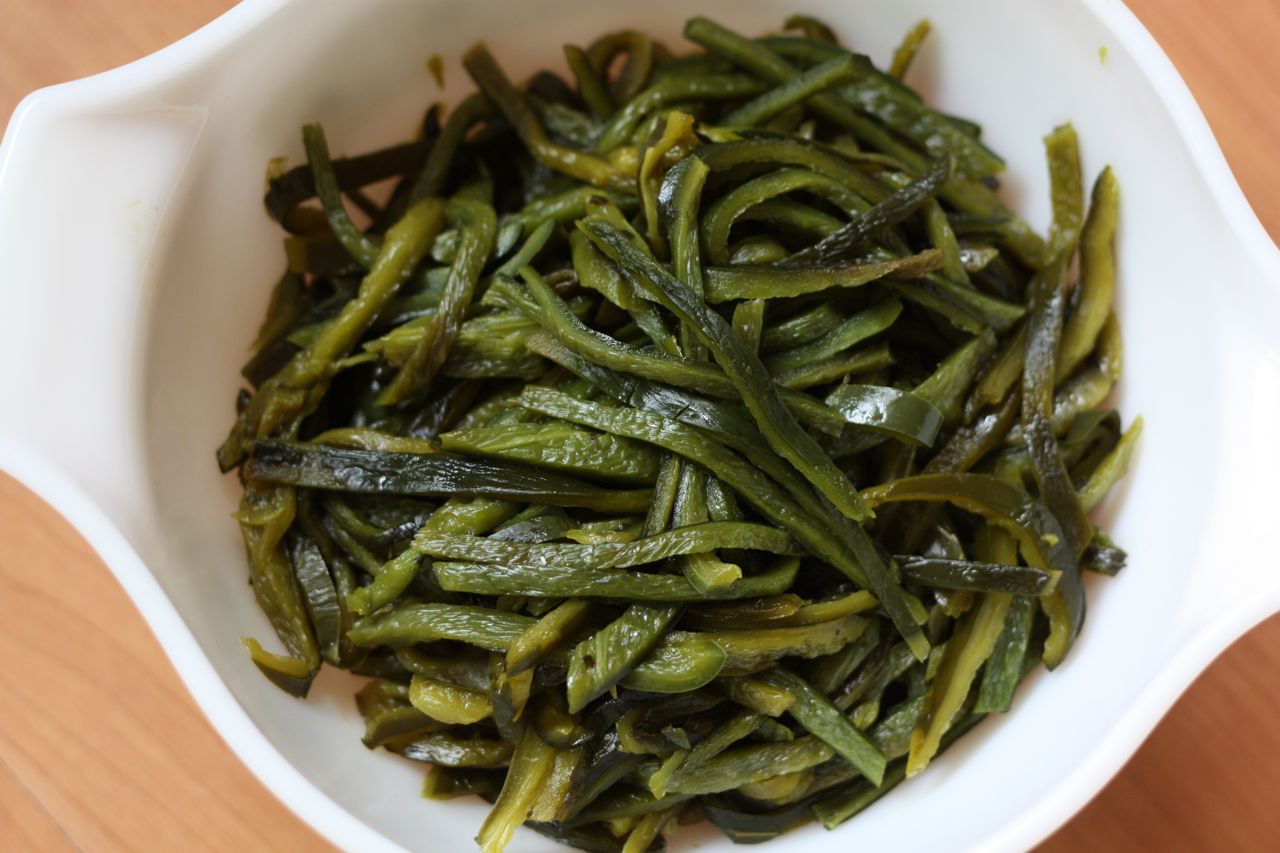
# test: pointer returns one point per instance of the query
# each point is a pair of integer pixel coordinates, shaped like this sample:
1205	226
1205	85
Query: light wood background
101	748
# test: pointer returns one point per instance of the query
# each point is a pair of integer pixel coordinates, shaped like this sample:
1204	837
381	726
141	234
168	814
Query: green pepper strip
821	718
977	576
1054	482
693	539
1066	189
704	570
555	581
1036	529
600	349
476	224
435	172
910	45
901	414
591	88
1006	665
854	330
740	364
765	58
1097	276
360	247
531	766
603	659
813	81
561	447
747	764
589	168
888	212
284	399
730	207
674	90
376	472
750	282
835	369
760	491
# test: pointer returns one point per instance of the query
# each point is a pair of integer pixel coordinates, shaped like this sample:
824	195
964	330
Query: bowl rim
59	488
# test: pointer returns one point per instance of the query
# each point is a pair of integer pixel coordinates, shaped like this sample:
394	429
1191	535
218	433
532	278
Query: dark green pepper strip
1067	190
829	672
546	634
376	472
484	627
754	487
1036	529
821	718
748	321
1112	468
740	364
752	650
897	111
811	82
680	199
747	764
560	447
1056	489
448	750
556	580
531	765
604	658
589	168
360	247
1097	276
944	240
901	414
776	153
591	88
1006	665
265	514
947	386
845	243
455	516
746	282
319	594
285	192
721	215
694	539
801	328
674	90
837	368
435	172
678	665
811	28
965	308
477	225
853	331
638	47
294	392
664	495
704	570
977	576
907	49
600	349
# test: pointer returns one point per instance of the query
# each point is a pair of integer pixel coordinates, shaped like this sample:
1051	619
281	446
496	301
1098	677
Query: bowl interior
1018	68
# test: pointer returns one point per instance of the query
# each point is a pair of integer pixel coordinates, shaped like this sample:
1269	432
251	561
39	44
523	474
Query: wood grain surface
101	748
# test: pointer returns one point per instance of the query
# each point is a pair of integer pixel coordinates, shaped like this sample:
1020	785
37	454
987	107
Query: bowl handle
84	182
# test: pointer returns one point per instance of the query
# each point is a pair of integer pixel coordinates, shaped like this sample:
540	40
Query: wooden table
101	748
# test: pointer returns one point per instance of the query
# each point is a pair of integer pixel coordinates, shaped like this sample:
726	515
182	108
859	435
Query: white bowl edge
61	490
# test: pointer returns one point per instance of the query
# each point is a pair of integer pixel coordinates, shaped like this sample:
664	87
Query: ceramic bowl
137	261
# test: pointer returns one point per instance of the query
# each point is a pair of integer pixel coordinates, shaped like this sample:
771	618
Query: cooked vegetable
691	436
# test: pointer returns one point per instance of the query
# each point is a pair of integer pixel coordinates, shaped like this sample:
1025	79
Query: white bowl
137	263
